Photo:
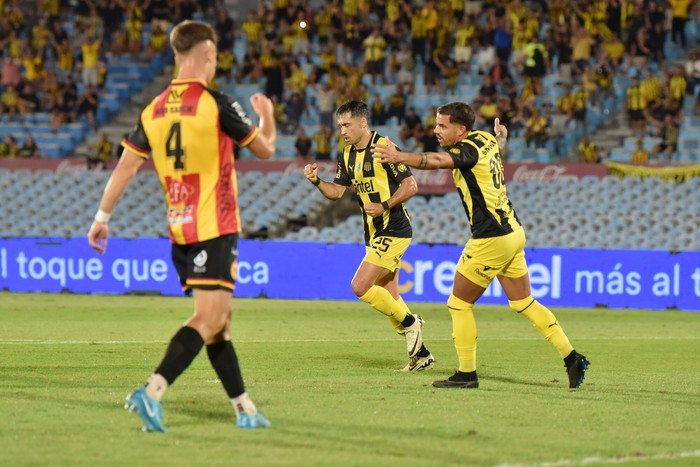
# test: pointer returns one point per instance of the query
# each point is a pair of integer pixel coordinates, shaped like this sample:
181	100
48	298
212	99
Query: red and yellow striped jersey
189	131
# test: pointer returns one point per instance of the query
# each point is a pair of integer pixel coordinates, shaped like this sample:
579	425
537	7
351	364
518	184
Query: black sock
225	362
570	359
408	320
184	346
423	352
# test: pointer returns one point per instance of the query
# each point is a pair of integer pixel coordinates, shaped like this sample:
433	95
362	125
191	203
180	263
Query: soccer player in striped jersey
496	249
382	190
189	132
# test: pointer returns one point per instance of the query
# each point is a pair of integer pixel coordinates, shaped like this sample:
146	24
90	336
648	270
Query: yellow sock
381	300
463	332
545	322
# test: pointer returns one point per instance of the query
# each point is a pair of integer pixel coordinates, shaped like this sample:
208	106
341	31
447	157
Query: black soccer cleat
577	370
458	380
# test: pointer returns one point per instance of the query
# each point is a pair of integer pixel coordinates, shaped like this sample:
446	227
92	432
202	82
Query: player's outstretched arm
332	191
425	160
125	170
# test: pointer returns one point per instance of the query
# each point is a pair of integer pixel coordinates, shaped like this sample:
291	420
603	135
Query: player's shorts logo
200	261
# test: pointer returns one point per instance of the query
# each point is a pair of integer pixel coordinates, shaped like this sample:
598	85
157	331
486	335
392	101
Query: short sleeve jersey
478	176
375	182
189	131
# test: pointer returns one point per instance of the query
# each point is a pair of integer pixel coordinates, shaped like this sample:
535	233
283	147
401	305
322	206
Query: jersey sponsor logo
175	97
179	191
364	186
241	113
180	216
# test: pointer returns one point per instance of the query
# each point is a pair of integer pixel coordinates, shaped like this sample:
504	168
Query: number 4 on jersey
173	147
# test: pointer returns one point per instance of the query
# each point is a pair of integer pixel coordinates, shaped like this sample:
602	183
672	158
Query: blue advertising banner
298	270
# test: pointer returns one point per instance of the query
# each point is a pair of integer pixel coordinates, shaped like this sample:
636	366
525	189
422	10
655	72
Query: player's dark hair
459	113
188	33
357	109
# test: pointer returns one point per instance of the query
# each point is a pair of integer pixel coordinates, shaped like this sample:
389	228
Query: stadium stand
590	212
579	90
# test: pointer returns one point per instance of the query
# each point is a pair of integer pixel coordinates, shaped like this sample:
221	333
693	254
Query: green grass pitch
323	373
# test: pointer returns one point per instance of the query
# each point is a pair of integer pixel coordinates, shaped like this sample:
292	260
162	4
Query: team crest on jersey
179	191
368	166
455	150
401	167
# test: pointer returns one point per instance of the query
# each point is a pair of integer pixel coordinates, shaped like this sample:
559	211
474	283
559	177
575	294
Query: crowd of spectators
311	58
50	69
510	45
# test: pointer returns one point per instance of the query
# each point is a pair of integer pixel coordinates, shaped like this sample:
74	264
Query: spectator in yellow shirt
322	140
157	42
375	55
536	129
679	9
9	102
640	156
588	152
91	51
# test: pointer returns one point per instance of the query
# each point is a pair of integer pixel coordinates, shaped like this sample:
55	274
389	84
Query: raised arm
332	191
426	160
263	146
501	133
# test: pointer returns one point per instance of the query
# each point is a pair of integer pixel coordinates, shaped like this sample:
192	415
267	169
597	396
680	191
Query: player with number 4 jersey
184	121
190	130
496	249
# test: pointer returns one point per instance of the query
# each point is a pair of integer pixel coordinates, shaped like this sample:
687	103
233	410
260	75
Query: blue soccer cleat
258	420
149	410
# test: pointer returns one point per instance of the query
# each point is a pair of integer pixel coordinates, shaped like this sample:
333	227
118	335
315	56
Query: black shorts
664	145
636	115
209	265
375	67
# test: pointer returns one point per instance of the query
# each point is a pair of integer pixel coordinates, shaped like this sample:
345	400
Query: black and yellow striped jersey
375	182
478	176
189	130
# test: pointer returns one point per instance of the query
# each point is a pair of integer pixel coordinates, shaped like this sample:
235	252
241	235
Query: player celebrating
496	248
190	130
382	189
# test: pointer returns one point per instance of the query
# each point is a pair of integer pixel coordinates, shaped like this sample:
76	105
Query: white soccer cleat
414	336
417	363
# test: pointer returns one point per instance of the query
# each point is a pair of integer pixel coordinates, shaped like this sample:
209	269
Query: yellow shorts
386	252
485	258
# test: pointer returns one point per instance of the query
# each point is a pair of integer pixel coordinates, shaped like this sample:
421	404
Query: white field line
304	341
595	460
